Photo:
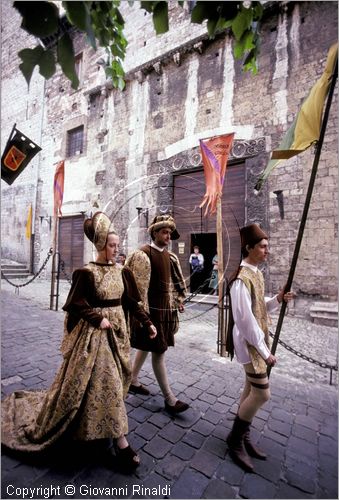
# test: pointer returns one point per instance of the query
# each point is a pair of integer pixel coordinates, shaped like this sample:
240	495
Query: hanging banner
59	178
18	152
28	231
214	153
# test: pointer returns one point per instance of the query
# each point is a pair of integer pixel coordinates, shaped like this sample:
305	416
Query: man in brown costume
162	289
249	338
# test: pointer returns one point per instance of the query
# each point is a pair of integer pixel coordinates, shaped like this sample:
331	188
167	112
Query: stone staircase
14	270
324	313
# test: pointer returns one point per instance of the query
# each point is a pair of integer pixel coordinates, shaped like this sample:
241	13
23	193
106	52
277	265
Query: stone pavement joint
297	428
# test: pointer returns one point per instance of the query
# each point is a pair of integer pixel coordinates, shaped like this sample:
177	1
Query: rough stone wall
24	106
301	40
182	87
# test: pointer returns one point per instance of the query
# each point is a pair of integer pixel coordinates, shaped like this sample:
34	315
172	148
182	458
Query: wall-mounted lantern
47	218
144	212
280	199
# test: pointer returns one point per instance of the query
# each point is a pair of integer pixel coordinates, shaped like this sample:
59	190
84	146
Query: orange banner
59	178
215	152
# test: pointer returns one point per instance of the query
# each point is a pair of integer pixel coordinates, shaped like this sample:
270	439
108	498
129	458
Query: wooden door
71	242
189	189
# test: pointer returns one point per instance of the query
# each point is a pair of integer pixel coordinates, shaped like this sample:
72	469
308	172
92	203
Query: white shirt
200	258
153	245
246	327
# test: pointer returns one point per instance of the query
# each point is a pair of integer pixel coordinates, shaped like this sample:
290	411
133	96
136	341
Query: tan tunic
161	287
256	286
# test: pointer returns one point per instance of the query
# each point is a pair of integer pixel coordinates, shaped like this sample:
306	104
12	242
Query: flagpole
54	259
220	253
305	211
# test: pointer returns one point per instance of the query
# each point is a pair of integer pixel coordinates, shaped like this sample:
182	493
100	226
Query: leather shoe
139	389
179	407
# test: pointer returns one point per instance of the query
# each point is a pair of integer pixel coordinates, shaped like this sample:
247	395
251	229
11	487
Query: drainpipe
37	202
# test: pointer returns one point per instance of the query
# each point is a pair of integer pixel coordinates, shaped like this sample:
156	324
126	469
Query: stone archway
252	152
248	155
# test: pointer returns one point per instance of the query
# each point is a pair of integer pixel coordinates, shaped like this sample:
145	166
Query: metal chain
306	358
190	297
198	315
50	252
62	267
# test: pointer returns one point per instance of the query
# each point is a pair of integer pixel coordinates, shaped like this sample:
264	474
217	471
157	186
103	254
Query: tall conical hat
96	229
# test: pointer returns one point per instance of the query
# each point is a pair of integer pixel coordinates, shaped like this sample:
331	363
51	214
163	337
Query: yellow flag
305	129
29	223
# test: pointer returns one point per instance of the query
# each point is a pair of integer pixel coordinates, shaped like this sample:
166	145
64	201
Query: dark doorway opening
207	243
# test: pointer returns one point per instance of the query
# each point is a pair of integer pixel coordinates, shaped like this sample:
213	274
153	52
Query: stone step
324	313
5	267
12	273
14	270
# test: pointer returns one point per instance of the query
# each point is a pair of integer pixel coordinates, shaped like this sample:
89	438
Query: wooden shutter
71	242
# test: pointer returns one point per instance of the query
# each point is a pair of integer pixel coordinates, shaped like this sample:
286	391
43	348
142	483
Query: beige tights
253	396
160	372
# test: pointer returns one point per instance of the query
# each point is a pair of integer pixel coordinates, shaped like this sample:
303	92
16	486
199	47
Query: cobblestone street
183	457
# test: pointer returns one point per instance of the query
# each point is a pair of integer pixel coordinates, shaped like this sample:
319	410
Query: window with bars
75	141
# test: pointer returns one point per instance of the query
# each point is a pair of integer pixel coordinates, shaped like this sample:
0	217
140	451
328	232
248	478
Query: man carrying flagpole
248	338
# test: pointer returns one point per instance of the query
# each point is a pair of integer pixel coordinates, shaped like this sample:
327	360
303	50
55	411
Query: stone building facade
139	144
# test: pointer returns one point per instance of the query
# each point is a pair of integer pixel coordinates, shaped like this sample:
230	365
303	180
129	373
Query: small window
78	66
75	141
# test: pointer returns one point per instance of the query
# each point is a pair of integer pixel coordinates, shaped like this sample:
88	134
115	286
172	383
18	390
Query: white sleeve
272	303
244	319
201	259
190	259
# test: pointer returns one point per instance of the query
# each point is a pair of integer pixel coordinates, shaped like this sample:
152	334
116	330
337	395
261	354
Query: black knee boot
252	450
235	444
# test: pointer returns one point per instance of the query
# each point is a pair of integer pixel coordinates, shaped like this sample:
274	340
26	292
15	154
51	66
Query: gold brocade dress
86	399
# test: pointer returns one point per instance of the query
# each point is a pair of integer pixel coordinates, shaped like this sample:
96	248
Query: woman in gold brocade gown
86	399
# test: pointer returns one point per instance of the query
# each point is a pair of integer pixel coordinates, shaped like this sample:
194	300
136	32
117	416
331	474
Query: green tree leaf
103	24
242	22
160	17
200	12
47	66
38	18
211	27
37	57
119	18
121	84
77	14
89	27
117	51
65	53
229	10
30	58
147	6
258	10
117	68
